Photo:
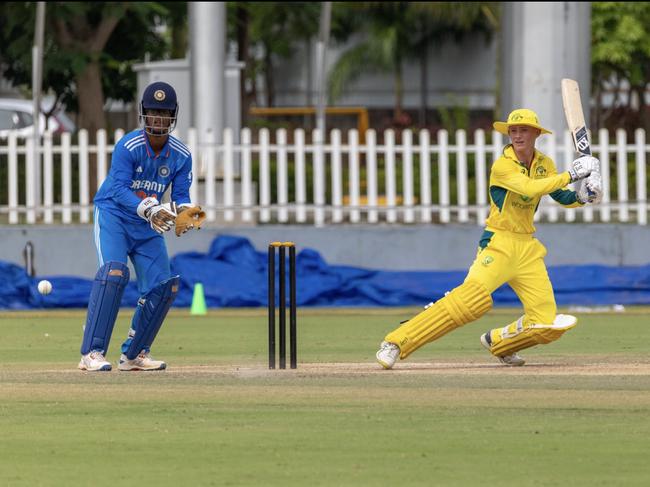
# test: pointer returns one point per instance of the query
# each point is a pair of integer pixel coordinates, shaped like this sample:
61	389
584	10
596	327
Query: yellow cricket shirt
515	191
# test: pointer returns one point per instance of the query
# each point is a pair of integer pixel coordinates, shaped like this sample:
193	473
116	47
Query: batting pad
464	304
518	336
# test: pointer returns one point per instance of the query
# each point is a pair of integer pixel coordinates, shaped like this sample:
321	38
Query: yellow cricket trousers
516	259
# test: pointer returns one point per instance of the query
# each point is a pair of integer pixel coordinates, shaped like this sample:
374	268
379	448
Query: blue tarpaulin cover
233	274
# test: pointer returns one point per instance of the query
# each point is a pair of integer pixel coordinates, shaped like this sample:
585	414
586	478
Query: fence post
371	175
83	176
389	147
353	170
481	183
461	175
30	180
197	164
48	178
282	177
13	177
210	175
300	177
228	175
246	175
318	144
425	176
621	172
641	191
337	192
101	157
548	204
66	177
443	175
407	175
265	176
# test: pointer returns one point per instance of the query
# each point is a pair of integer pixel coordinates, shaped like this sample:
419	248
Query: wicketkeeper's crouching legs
464	304
147	320
104	303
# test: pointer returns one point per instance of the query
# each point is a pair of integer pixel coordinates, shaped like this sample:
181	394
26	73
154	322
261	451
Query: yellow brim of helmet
502	127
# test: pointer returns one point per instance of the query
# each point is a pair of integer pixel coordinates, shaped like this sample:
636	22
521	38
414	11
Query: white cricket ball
45	287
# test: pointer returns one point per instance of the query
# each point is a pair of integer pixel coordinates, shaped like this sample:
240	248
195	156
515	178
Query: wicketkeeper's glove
189	217
160	217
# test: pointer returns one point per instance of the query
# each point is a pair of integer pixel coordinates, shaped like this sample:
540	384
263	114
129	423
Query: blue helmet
158	96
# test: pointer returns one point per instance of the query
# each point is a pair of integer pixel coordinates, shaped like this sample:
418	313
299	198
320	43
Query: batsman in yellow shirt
508	252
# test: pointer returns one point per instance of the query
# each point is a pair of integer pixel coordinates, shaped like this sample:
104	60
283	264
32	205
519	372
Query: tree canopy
620	60
88	53
393	32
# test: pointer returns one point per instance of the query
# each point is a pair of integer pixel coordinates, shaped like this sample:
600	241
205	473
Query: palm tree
396	31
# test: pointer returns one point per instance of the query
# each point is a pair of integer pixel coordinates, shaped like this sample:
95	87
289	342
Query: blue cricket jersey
137	172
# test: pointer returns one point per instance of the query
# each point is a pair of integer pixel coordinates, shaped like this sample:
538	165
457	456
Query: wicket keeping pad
149	316
464	304
520	335
104	303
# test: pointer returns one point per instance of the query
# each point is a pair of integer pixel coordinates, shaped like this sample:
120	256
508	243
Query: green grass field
577	414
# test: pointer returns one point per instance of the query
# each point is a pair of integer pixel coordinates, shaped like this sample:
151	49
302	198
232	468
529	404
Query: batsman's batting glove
582	167
591	189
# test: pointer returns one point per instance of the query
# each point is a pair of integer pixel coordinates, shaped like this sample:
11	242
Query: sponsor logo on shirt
147	185
139	169
520	206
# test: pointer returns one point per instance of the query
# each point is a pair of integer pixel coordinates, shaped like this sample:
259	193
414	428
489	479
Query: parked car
18	115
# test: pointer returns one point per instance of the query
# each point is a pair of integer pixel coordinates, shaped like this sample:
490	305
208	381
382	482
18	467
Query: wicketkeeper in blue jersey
129	222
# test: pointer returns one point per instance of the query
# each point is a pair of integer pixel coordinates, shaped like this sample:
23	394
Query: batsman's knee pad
103	305
149	315
519	335
464	304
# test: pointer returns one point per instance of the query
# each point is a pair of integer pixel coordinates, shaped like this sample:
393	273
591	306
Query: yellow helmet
521	116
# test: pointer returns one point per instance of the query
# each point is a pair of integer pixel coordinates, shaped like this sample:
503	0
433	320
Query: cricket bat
575	117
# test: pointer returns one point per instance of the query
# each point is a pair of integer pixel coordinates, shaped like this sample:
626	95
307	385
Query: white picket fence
344	177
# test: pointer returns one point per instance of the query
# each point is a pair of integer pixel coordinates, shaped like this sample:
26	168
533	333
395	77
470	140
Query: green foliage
621	39
456	115
134	35
621	62
267	30
391	32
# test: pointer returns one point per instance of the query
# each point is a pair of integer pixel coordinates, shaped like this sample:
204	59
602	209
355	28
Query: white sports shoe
513	360
387	355
94	362
141	362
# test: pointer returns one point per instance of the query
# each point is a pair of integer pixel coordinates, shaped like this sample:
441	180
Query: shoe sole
385	365
103	368
487	346
511	364
140	369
